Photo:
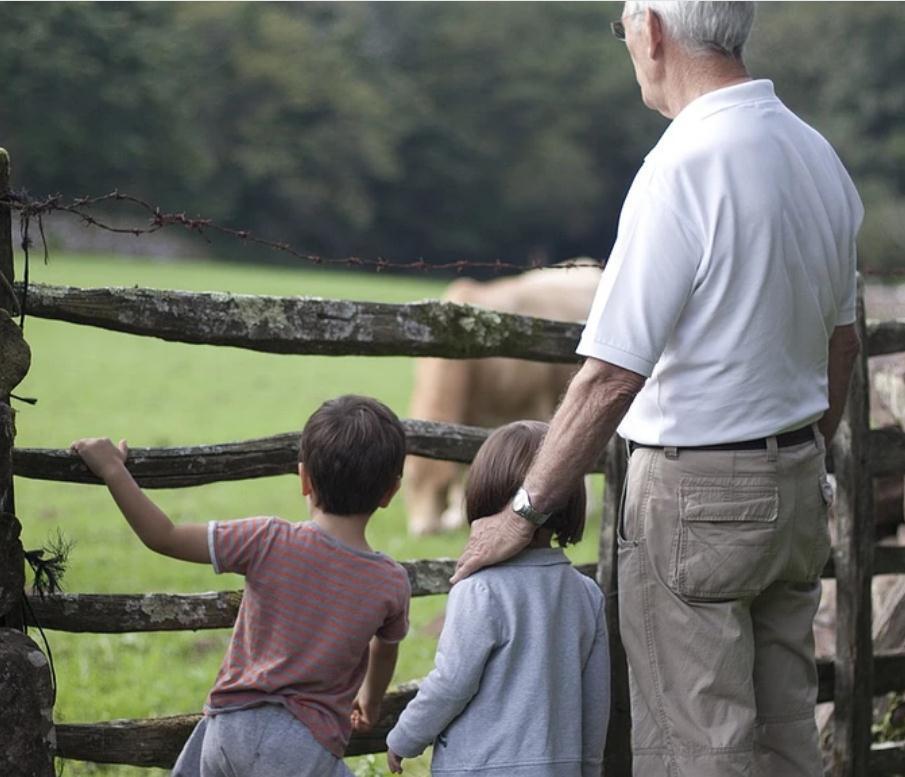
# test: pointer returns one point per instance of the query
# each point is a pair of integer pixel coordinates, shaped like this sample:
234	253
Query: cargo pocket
725	537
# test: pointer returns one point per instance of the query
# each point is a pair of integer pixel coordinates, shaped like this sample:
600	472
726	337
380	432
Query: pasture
93	382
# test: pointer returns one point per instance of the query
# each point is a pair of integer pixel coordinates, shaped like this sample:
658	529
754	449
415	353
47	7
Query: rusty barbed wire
30	208
35	208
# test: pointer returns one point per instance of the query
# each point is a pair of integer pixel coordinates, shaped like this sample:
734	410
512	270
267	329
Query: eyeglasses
618	27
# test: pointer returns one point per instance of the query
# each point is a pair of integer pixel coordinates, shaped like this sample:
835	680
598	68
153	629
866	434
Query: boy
322	613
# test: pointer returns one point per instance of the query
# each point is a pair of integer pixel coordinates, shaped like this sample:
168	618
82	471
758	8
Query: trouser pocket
822	542
725	537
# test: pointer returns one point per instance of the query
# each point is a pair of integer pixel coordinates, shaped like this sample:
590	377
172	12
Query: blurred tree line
405	130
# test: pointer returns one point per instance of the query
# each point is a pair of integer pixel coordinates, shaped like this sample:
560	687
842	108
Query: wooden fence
313	326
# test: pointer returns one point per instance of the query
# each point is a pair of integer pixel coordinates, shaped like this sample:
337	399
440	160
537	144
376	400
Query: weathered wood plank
887	452
887	759
157	741
118	613
267	456
888	560
885	337
121	613
853	714
617	758
12	561
888	676
278	455
8	299
310	325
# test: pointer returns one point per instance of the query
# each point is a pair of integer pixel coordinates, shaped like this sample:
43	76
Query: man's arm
381	665
187	542
595	402
844	348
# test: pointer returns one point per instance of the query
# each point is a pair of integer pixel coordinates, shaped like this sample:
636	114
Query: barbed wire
30	208
35	208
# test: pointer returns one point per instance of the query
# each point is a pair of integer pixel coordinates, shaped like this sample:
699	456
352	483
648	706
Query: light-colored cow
489	392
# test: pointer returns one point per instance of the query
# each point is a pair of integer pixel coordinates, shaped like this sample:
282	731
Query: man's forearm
597	399
844	347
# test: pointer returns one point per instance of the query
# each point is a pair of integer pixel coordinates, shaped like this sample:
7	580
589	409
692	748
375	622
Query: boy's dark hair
500	468
353	449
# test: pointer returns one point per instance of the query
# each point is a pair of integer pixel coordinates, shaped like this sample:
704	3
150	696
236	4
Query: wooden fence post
853	556
12	568
26	717
617	760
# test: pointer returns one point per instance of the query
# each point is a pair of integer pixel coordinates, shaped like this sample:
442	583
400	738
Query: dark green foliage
48	564
442	130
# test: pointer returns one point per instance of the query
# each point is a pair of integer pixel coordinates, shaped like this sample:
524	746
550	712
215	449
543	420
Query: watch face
520	500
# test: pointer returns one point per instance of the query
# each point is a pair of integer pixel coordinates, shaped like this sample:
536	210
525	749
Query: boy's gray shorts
265	741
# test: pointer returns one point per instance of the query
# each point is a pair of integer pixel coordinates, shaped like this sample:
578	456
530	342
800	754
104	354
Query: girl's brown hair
500	468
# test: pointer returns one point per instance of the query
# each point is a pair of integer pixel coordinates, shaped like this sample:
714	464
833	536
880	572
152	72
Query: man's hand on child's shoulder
101	456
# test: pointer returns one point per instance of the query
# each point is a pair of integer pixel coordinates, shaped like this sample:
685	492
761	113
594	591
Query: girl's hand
101	456
394	762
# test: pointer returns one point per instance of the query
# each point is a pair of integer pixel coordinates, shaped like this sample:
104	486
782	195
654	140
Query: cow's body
489	392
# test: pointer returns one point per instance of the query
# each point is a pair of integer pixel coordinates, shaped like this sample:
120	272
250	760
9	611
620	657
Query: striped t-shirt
310	607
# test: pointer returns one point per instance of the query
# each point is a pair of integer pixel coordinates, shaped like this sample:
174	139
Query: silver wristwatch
521	505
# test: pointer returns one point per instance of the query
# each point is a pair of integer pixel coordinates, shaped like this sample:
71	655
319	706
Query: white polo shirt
733	263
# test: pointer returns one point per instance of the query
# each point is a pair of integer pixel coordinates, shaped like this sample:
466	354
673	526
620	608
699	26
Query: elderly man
721	341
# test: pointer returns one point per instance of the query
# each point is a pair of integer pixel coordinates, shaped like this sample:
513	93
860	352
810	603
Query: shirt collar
718	100
538	557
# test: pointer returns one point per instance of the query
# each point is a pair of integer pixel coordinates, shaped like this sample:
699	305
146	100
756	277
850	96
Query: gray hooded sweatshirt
521	684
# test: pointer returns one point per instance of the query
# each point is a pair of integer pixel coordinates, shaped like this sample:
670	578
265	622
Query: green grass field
92	382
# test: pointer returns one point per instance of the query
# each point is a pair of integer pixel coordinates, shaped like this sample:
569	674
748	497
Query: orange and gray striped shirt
310	607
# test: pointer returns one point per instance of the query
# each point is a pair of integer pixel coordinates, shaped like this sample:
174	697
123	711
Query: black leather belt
797	437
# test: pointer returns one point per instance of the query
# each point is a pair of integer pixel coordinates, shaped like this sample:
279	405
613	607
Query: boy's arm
595	701
184	541
381	665
469	635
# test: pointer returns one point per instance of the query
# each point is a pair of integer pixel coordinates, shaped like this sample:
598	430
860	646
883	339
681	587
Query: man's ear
391	492
653	28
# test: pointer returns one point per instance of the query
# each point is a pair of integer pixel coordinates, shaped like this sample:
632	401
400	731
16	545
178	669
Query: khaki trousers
720	555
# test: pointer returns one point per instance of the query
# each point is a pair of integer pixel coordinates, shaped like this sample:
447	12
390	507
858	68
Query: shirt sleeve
469	634
648	279
848	307
236	545
595	700
396	626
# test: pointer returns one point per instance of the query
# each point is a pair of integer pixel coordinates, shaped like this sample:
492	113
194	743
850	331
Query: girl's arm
595	701
187	542
469	635
381	664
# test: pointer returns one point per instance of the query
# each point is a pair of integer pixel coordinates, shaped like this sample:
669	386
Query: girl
521	679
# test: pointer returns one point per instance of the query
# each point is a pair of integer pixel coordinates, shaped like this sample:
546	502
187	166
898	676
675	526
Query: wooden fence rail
157	741
201	464
121	613
308	325
278	455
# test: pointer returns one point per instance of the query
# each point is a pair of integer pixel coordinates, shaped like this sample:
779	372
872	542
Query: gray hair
702	27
